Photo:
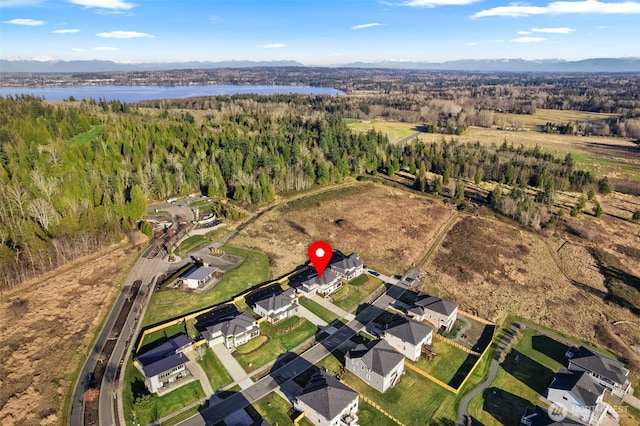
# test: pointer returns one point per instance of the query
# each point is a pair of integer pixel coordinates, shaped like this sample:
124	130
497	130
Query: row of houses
331	280
576	394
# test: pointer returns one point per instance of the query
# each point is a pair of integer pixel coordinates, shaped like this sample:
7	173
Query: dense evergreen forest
76	175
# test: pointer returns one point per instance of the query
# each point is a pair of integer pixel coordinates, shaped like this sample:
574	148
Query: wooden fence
456	344
379	408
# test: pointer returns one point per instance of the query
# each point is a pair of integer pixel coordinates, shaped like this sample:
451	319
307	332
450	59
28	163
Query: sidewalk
232	366
333	308
198	373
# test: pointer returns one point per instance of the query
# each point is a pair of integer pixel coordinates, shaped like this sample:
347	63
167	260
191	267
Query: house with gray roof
607	371
376	363
440	312
164	364
198	277
328	283
278	306
579	395
327	402
349	267
232	332
408	336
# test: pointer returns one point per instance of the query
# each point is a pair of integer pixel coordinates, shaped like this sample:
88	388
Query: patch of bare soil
45	327
391	229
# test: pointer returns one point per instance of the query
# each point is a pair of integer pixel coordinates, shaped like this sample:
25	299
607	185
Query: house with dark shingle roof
607	371
579	395
328	283
440	312
376	363
327	402
232	332
198	276
408	336
277	306
349	267
164	364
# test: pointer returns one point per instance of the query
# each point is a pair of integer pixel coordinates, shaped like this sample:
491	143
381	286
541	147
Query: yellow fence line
475	365
377	407
430	377
468	315
457	345
297	420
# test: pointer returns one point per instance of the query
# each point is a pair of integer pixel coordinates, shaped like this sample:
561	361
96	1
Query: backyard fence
456	344
430	377
379	408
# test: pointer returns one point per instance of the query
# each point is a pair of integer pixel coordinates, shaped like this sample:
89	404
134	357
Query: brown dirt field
390	229
46	325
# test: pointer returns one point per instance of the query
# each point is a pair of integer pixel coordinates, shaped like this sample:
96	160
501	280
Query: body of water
142	93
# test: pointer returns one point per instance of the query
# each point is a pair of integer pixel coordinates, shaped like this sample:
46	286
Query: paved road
217	410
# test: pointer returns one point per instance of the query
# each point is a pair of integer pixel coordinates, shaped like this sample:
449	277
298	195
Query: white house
349	267
164	364
277	306
440	312
607	371
327	402
198	277
578	394
376	363
232	332
408	336
325	285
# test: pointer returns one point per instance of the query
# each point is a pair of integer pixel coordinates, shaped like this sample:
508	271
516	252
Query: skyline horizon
328	33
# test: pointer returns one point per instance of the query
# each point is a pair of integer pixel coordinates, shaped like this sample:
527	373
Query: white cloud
67	31
528	39
602	27
563	8
104	4
362	26
105	48
434	3
125	34
496	41
273	46
524	32
471	43
557	30
26	22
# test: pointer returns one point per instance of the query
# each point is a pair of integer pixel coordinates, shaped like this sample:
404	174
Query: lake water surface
141	93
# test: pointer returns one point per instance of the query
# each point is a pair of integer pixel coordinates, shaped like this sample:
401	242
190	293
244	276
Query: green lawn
167	332
522	378
367	415
350	295
414	400
319	310
457	326
279	342
190	243
274	408
157	407
450	364
217	374
168	304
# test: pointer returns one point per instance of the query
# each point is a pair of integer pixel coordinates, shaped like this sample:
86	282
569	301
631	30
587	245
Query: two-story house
278	306
349	267
232	332
376	363
164	364
440	312
325	285
327	402
607	371
408	336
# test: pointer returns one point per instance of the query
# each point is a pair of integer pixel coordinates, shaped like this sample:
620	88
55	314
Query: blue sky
317	32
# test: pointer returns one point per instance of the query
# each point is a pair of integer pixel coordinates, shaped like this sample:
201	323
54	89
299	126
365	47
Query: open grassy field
350	295
65	306
394	130
168	304
446	364
544	116
389	228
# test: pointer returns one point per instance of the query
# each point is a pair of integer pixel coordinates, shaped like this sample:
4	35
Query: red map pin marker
320	253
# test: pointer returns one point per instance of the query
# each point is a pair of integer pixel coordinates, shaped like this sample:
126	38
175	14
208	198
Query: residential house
277	306
325	285
408	336
349	267
164	364
538	416
198	276
440	312
232	332
376	363
607	371
580	396
327	402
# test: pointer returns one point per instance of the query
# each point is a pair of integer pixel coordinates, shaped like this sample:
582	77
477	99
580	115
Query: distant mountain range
501	65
